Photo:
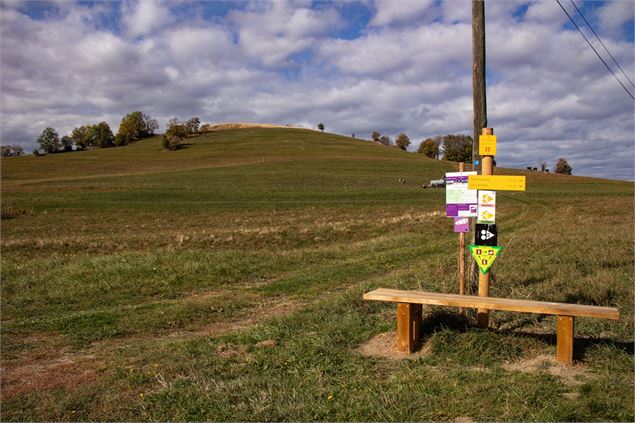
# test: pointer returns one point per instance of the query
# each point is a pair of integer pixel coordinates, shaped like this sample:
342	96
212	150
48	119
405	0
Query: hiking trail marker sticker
486	212
486	235
487	145
484	256
461	224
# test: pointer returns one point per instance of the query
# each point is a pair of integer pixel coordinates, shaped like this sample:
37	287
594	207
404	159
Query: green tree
11	151
562	166
457	148
385	140
132	127
82	136
192	126
150	125
102	135
429	147
321	126
67	143
402	141
375	136
174	135
49	140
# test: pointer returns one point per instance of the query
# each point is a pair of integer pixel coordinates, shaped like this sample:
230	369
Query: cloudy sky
357	66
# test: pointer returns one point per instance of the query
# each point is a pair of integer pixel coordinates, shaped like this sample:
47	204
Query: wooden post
478	75
479	99
409	317
461	253
564	347
482	315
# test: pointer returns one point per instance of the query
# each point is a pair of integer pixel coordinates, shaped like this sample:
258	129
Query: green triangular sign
484	256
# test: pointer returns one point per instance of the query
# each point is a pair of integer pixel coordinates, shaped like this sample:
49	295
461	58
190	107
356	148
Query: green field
223	282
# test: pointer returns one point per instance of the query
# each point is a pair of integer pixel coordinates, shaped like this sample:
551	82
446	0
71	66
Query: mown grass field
223	282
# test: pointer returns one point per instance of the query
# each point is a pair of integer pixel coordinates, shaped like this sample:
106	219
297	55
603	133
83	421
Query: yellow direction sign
496	182
484	256
487	145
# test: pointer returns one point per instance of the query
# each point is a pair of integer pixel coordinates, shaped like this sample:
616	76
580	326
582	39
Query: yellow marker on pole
496	182
487	145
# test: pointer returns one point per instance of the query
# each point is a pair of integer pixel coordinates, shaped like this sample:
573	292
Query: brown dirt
265	311
570	375
41	373
49	365
227	126
384	346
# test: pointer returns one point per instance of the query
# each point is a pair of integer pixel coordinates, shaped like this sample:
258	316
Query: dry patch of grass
570	375
384	346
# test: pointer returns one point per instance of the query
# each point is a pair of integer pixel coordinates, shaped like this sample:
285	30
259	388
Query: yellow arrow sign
496	182
486	215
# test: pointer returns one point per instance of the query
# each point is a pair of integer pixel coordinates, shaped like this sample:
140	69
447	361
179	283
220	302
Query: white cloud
613	15
141	17
271	33
401	11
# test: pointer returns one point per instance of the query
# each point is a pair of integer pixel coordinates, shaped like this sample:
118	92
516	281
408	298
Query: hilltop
223	281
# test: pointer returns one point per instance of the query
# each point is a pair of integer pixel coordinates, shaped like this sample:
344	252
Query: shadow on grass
439	320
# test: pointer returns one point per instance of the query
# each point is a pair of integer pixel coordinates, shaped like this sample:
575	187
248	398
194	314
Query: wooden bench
409	314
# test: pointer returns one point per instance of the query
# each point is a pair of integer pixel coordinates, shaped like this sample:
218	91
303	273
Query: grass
224	281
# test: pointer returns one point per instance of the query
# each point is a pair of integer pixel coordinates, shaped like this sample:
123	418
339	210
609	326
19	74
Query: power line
596	52
598	37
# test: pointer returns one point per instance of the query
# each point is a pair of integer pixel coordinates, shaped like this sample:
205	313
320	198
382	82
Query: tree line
133	126
402	141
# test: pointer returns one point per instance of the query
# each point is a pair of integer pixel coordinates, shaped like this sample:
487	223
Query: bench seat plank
491	303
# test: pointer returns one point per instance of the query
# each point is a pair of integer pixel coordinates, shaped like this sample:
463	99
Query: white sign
486	207
460	201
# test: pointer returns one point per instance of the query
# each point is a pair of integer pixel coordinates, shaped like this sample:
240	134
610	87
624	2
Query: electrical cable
598	37
596	52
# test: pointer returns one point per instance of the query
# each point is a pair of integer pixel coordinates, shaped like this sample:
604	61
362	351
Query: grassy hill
223	281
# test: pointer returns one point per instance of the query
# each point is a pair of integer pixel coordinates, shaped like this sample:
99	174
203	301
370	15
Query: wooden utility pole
478	75
482	315
479	98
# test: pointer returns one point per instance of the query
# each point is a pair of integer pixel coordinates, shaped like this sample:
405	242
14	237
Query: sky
357	66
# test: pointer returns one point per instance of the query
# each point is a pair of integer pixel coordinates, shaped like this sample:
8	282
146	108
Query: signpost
486	237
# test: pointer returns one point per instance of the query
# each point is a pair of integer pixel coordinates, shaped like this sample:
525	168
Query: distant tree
102	135
67	143
429	147
82	136
36	152
402	141
49	140
375	136
192	126
562	166
11	150
174	135
321	126
384	140
457	148
132	127
150	125
543	165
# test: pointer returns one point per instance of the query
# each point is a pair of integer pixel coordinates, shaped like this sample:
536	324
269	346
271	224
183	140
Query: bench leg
565	340
409	318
